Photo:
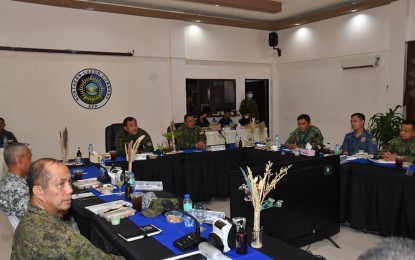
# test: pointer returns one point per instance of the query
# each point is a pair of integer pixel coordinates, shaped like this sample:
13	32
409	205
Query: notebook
139	232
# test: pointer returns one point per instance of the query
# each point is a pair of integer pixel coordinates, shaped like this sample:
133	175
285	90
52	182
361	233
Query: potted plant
384	127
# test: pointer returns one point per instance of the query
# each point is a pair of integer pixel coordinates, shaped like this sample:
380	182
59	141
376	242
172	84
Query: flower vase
256	239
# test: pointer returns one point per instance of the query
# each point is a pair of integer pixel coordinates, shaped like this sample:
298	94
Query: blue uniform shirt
365	142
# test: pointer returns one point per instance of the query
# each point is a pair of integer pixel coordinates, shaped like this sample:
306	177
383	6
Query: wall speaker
273	39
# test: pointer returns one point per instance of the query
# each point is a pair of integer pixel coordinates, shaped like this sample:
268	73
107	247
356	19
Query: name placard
220	147
148	185
139	157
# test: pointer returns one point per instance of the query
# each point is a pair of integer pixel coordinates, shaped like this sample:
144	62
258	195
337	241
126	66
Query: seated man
226	119
305	133
202	121
359	139
41	233
4	133
191	135
404	145
246	118
131	132
14	192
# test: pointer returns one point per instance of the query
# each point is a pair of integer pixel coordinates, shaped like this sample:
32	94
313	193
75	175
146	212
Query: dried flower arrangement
64	144
256	190
131	150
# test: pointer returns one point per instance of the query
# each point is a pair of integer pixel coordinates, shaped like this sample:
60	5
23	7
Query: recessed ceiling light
297	24
354	10
217	5
197	21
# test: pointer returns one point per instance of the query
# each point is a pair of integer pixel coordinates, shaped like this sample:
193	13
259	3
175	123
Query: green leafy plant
384	127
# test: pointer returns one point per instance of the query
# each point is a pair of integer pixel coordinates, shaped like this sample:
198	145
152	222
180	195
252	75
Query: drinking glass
119	180
199	212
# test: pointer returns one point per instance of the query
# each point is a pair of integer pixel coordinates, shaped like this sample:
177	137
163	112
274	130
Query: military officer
190	135
4	133
359	139
131	132
404	145
305	133
41	233
14	192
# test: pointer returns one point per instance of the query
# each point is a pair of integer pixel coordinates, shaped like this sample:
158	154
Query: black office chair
176	125
110	133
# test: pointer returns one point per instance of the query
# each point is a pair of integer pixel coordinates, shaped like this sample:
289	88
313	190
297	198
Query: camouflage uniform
249	105
312	136
9	135
365	141
123	137
41	235
14	195
188	137
402	147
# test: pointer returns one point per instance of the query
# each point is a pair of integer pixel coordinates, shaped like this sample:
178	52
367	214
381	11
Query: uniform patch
363	139
374	141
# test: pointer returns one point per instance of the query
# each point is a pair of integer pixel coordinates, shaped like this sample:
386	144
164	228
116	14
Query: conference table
309	191
377	197
104	235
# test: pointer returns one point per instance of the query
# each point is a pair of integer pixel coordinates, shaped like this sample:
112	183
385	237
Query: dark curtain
409	96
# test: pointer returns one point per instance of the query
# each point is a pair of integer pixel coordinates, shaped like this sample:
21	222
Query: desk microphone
105	177
224	138
190	240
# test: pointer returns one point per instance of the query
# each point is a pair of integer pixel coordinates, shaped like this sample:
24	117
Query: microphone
190	240
105	177
224	138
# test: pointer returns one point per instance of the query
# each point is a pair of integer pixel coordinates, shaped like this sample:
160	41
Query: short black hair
38	174
409	122
128	119
187	115
304	116
359	115
226	110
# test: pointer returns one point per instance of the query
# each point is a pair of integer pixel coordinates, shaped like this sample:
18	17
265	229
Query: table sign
140	157
215	148
148	185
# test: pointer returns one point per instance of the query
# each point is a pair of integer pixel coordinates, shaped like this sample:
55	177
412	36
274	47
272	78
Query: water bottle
102	163
90	149
187	203
236	140
131	179
5	141
277	141
337	149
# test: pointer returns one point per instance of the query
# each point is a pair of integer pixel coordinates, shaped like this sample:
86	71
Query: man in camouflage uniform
359	139
190	135
404	145
14	192
4	133
41	233
305	133
131	132
249	105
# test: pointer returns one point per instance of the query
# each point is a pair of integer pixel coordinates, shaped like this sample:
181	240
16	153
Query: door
260	89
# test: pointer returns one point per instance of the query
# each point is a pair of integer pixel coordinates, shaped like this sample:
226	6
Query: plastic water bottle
277	141
102	162
131	179
90	149
337	149
236	140
5	141
187	203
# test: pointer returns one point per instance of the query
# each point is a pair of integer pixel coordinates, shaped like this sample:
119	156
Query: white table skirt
3	166
215	138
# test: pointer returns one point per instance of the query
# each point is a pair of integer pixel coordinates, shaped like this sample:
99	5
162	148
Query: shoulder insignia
363	139
201	132
374	141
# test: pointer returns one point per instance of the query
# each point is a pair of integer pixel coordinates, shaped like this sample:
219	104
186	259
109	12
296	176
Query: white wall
35	96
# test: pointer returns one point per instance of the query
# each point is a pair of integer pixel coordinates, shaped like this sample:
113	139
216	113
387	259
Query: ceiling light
297	24
354	10
197	21
217	5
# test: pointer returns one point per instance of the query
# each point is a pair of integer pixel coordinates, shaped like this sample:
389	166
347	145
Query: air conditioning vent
360	62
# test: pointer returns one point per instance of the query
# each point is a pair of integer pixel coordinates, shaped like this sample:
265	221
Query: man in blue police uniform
359	139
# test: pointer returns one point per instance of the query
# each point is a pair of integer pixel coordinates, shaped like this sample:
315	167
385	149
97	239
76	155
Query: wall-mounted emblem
91	88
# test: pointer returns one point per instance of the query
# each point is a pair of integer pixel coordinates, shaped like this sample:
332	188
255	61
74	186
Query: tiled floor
352	242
